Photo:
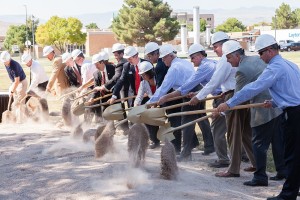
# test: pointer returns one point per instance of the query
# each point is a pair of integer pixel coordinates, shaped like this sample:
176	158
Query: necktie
103	78
77	75
137	79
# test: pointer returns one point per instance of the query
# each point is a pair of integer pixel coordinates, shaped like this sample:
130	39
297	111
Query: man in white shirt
39	78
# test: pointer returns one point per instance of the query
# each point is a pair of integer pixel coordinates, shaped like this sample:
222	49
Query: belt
228	92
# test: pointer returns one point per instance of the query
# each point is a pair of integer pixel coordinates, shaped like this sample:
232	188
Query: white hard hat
230	46
26	57
194	48
5	56
105	55
150	47
65	57
75	53
165	50
97	57
129	52
47	50
219	36
145	66
117	47
264	41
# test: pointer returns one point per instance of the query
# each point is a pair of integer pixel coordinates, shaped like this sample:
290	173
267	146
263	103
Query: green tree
284	18
16	35
297	15
231	25
202	26
141	21
91	26
60	32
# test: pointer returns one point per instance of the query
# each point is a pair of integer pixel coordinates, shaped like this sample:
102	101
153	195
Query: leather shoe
154	145
217	164
206	153
278	177
226	174
250	169
181	158
255	183
275	198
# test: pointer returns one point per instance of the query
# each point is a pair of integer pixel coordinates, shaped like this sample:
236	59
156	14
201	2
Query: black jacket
72	78
98	78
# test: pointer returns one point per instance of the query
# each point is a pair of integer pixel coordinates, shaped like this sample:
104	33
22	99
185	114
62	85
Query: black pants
42	86
262	136
292	153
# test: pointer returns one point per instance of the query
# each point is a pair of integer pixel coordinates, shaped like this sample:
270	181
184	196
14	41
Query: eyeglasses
262	52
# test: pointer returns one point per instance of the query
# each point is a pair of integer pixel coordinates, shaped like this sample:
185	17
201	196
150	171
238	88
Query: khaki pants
20	92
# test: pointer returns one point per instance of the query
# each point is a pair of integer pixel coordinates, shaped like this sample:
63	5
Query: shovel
73	92
106	103
8	116
134	115
166	131
157	116
79	109
83	95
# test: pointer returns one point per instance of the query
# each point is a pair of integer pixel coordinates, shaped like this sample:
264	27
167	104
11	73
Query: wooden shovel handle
87	93
106	103
9	102
170	99
188	124
187	103
102	97
215	110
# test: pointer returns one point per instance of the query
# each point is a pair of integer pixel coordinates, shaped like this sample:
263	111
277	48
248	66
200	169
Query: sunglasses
262	52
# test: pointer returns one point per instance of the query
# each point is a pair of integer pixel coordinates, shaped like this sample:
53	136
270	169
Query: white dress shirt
224	76
38	75
87	71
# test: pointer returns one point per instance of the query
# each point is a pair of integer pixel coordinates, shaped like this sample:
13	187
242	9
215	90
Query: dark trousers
262	136
190	139
153	133
175	122
292	153
42	86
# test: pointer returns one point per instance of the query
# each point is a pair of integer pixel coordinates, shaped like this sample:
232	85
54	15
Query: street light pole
275	26
32	20
26	27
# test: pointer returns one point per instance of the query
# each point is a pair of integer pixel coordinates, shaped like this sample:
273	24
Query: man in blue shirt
17	76
282	78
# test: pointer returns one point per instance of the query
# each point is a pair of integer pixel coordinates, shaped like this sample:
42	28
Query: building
184	17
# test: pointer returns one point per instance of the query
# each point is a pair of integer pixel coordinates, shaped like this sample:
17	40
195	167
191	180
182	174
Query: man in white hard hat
224	77
282	78
17	76
266	123
103	74
71	70
179	71
85	67
58	81
205	70
152	53
130	78
39	77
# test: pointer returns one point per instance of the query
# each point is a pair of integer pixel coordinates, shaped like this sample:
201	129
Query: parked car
281	42
294	46
15	48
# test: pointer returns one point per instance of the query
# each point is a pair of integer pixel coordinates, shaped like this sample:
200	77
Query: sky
46	8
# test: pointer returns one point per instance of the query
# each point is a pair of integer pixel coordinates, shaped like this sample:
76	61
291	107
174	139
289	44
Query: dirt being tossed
104	142
137	143
66	112
169	169
77	132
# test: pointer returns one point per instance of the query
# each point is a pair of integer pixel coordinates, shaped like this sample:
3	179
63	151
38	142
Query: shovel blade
134	115
8	117
154	116
165	132
78	110
114	112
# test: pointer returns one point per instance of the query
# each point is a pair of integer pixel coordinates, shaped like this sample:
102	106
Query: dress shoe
182	158
245	159
250	169
275	198
278	177
217	164
206	153
255	183
154	145
226	174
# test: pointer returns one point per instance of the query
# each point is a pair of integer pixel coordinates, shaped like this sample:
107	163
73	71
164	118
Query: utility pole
33	49
26	27
275	26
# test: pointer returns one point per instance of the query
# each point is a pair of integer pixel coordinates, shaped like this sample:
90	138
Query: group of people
234	79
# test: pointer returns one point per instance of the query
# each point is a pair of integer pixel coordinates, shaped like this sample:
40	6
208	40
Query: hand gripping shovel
79	109
113	112
158	117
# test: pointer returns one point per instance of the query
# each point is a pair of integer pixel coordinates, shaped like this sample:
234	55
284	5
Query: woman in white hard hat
146	90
